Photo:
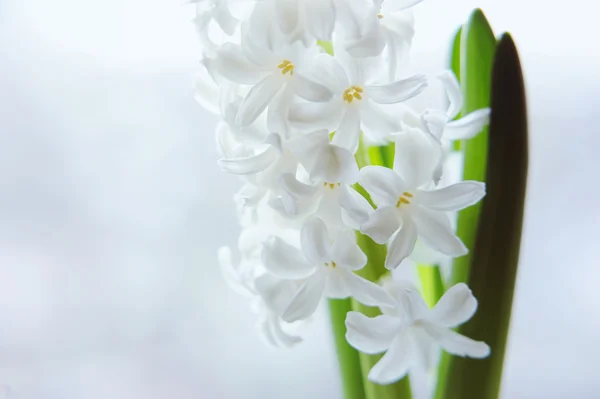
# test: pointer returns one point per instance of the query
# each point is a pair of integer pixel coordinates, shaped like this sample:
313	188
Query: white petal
346	252
417	157
320	18
315	242
435	230
336	285
310	116
396	5
457	344
274	334
286	15
383	185
334	164
394	365
436	122
327	70
453	92
310	90
224	19
258	99
249	165
396	92
455	307
378	125
452	198
370	43
370	335
365	291
275	292
296	189
306	300
382	224
284	260
348	132
468	126
233	65
355	208
401	244
277	113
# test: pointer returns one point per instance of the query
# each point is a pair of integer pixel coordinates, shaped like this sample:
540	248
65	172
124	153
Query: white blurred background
112	208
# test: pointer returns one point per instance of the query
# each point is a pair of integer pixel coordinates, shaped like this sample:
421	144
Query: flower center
331	185
332	264
353	92
380	16
286	67
404	199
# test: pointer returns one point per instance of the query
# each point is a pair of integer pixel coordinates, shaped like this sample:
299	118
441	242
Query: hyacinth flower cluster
303	88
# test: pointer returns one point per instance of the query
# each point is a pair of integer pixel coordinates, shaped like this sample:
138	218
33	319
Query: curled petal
348	132
249	165
455	307
286	14
346	252
382	224
310	90
365	291
233	65
398	91
417	157
370	335
435	230
394	365
284	260
468	126
355	208
401	245
452	198
453	92
258	99
384	185
311	116
315	242
306	300
320	19
457	344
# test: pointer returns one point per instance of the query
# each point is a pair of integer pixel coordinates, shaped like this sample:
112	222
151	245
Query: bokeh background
112	208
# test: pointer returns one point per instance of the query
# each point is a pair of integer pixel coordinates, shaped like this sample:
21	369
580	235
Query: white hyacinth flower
410	333
325	268
358	97
274	70
408	207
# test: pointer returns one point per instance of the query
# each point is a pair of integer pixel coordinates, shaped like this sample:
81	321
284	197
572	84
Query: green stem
432	282
348	357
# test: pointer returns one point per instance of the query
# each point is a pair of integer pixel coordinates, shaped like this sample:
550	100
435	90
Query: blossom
325	268
409	206
272	68
410	333
358	94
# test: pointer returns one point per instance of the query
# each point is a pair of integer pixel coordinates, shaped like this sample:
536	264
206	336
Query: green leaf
348	357
477	48
432	282
455	66
477	53
496	252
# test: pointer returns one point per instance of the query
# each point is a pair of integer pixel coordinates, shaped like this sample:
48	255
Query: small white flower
273	68
410	333
268	295
441	125
357	99
325	268
407	205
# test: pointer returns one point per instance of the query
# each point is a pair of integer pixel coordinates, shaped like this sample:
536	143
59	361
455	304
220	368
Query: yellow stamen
331	185
332	264
380	15
353	92
404	199
286	67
